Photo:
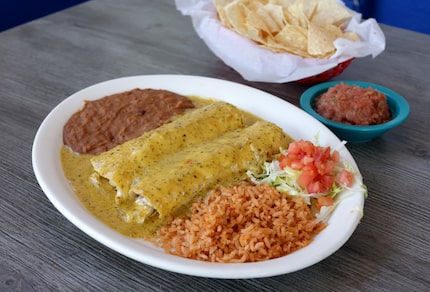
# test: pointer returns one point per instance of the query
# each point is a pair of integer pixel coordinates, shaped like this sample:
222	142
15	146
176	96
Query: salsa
354	105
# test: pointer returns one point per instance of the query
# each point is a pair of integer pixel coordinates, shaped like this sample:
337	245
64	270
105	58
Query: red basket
326	75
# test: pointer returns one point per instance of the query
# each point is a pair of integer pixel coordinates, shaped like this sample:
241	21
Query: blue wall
408	14
16	12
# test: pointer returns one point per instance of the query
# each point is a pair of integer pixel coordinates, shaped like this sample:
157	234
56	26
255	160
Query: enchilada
175	180
122	164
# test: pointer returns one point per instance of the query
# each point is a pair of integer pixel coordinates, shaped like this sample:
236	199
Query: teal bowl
398	106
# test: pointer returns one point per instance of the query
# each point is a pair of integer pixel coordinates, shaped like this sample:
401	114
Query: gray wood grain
43	62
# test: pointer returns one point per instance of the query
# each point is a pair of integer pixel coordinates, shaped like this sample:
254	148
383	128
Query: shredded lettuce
286	181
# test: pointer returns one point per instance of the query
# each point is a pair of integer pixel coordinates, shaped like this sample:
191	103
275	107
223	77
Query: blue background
408	14
16	12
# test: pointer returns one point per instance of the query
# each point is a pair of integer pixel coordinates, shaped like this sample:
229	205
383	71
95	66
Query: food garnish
315	173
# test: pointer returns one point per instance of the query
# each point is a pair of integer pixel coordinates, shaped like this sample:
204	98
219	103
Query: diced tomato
285	160
307	160
310	168
327	181
314	187
316	183
326	167
335	156
307	147
296	164
294	148
316	163
306	178
345	178
324	201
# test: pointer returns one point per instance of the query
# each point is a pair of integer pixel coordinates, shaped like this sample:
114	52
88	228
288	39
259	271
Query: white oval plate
294	121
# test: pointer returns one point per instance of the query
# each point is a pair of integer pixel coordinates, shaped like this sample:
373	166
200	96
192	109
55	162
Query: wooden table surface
45	61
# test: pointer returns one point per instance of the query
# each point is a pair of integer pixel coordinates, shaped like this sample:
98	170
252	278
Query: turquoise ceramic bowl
399	108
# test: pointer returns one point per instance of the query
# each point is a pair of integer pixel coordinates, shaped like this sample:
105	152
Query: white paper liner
255	63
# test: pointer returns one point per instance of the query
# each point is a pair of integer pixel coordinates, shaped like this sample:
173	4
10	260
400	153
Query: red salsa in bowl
356	111
354	105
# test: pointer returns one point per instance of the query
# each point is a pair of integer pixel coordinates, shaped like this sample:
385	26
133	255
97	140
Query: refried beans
112	120
352	104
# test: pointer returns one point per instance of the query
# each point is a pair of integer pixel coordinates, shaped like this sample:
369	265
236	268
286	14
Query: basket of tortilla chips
284	40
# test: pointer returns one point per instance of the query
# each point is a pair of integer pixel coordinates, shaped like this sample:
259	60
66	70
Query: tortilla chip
352	36
321	38
219	6
330	12
236	14
305	28
293	39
